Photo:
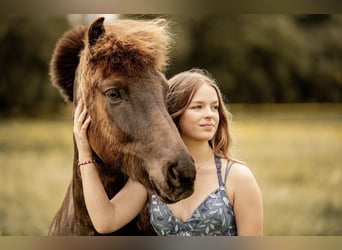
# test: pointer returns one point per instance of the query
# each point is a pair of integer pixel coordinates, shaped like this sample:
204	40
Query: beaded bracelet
86	162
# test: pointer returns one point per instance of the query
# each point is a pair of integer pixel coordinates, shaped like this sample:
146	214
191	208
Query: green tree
26	45
264	58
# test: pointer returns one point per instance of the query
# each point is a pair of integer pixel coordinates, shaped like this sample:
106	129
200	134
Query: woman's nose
208	113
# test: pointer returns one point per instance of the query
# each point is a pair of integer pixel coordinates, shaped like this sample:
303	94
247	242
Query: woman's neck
200	151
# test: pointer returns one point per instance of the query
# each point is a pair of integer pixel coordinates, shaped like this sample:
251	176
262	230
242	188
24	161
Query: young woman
226	198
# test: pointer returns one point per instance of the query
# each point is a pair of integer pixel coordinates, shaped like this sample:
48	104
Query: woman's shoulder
239	181
240	172
242	182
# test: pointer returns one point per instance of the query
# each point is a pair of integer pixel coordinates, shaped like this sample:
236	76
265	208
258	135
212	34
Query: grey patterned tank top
213	217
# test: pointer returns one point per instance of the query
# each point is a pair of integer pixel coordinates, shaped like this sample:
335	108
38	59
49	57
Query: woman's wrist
84	156
86	162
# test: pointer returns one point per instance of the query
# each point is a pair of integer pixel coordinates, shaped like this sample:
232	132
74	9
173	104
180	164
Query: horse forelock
129	47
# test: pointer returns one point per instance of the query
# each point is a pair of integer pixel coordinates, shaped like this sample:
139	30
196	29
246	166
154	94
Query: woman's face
200	120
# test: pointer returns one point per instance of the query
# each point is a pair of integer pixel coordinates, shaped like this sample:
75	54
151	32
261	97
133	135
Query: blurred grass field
294	151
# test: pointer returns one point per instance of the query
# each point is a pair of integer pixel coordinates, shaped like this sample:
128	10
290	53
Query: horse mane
126	47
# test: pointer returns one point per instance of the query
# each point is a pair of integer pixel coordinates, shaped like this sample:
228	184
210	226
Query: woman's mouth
207	125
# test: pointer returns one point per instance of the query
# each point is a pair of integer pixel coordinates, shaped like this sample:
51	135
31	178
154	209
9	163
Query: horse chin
169	199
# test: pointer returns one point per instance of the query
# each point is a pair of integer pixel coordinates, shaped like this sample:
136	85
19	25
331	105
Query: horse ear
96	29
65	60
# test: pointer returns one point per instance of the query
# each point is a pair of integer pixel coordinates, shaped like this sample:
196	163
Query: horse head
116	68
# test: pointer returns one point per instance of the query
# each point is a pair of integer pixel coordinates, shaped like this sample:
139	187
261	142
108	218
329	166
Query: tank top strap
228	167
218	169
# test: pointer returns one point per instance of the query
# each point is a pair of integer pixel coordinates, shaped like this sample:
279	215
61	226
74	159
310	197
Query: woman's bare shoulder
240	172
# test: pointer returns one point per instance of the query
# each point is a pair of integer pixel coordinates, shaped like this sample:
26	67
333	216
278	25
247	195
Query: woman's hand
81	123
106	215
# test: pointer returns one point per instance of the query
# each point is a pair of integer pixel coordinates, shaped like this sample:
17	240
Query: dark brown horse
115	68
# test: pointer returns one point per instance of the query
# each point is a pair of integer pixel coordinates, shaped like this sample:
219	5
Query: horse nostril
172	171
173	175
180	175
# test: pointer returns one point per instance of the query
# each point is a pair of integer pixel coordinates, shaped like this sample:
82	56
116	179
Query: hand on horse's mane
81	123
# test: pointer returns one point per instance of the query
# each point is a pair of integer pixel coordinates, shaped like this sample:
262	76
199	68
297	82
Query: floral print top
213	217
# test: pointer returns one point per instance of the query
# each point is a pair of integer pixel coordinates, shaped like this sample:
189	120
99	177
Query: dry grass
294	152
36	158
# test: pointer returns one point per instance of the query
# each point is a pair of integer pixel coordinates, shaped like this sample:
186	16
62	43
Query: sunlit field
294	151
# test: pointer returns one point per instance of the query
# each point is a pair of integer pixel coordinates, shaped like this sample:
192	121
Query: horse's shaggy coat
116	69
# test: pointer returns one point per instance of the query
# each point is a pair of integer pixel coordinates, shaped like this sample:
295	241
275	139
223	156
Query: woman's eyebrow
201	102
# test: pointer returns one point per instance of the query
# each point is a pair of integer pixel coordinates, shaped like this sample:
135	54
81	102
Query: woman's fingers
78	109
80	121
82	116
86	123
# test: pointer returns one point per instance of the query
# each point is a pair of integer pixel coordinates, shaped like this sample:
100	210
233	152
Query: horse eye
114	95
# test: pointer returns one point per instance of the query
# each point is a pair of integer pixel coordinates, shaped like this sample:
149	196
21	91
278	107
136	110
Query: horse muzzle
179	184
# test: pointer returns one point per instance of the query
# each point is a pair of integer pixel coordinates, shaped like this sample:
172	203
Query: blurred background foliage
254	58
26	45
266	58
281	73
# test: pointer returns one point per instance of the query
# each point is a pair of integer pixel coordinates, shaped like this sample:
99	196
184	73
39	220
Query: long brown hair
182	88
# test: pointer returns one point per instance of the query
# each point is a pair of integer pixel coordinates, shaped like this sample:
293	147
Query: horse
116	68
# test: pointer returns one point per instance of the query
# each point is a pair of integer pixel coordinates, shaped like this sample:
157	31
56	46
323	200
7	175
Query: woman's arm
106	215
110	215
248	205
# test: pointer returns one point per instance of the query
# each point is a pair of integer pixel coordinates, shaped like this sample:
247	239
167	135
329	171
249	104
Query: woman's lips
207	125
